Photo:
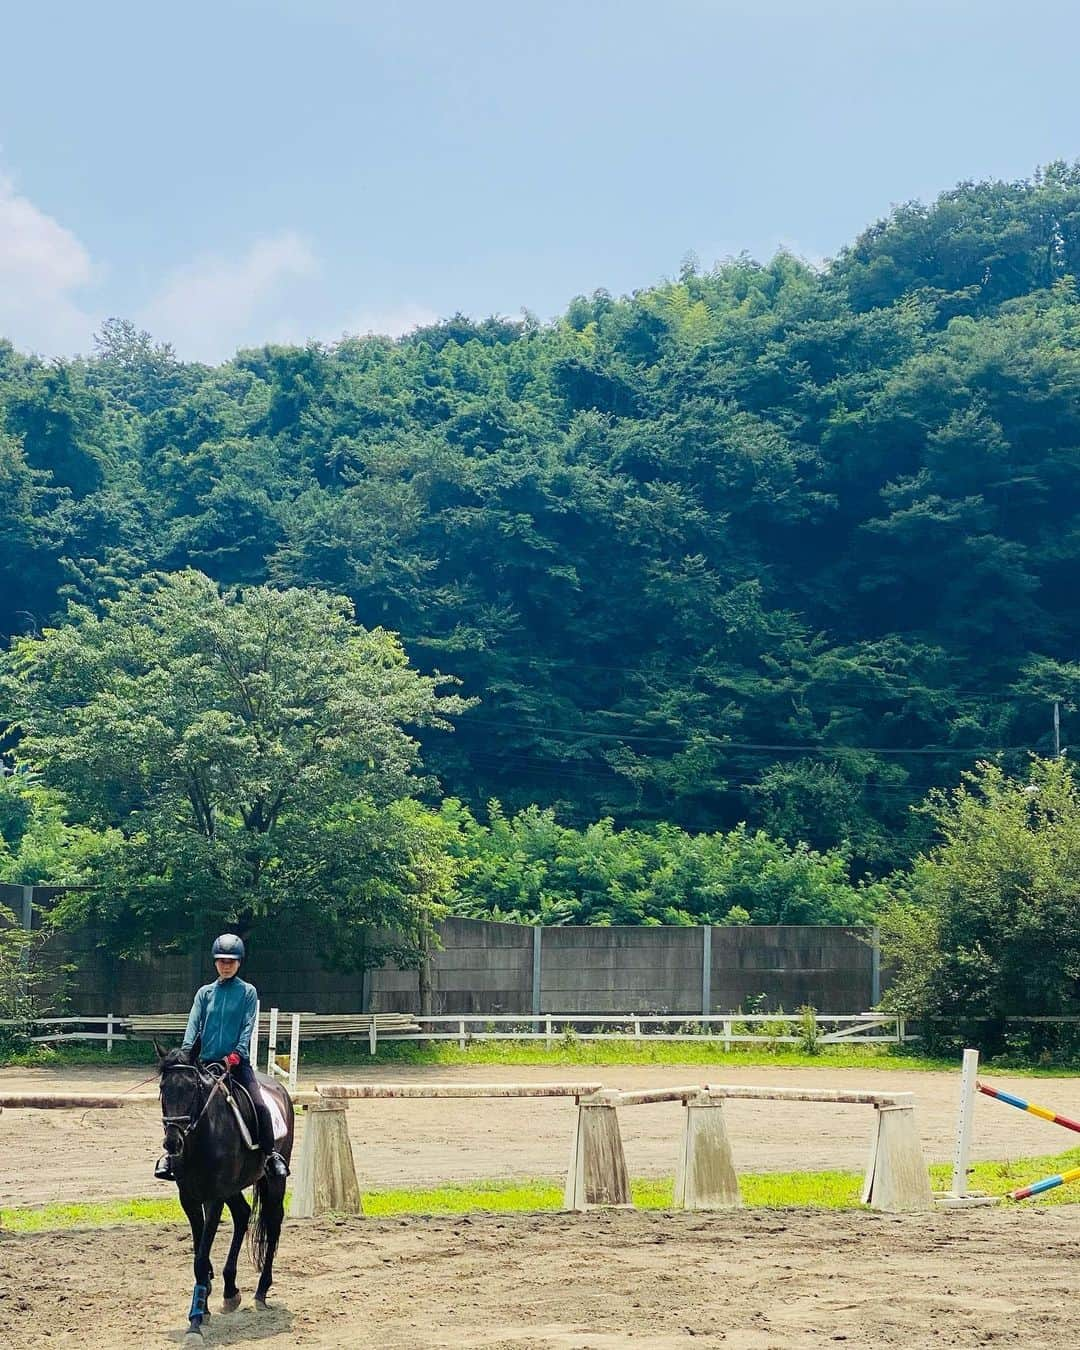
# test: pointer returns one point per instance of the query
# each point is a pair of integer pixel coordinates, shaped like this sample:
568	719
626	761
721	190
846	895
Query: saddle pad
271	1104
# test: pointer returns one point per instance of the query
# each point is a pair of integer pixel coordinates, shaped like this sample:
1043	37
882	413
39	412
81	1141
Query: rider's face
227	966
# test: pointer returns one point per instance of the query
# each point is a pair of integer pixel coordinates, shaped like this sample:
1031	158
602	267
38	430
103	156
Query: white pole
968	1075
253	1049
271	1043
294	1053
372	1035
109	1033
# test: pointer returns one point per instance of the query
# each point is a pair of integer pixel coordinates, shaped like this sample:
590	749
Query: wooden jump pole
1043	1112
91	1101
1047	1184
897	1180
365	1091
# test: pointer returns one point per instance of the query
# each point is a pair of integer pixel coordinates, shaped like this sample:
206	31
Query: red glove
232	1059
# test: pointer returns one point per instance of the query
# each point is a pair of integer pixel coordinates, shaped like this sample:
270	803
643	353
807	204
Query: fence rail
728	1028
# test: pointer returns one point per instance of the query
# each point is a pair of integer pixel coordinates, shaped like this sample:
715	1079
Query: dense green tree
760	543
988	924
530	869
238	754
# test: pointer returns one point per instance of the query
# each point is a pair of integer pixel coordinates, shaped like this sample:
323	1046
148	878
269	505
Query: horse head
183	1092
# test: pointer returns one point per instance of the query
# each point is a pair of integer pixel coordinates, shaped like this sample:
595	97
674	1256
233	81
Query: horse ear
158	1050
195	1049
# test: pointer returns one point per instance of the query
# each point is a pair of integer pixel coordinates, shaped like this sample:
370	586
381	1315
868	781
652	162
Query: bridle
187	1123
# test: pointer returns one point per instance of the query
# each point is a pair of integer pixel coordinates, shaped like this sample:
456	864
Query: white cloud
210	306
43	266
811	256
393	322
207	307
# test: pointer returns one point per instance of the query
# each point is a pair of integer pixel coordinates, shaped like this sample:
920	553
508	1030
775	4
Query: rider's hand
232	1059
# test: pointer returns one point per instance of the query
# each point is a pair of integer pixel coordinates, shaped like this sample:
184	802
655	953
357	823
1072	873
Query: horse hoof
194	1330
260	1303
230	1304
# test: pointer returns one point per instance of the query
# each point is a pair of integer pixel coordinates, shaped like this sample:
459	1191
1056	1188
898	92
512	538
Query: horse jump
896	1179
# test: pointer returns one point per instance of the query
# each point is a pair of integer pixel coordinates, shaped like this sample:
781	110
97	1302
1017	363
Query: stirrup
163	1168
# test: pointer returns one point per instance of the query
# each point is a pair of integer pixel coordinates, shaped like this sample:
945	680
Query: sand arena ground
747	1280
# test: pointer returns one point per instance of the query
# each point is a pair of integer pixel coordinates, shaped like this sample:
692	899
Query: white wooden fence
728	1028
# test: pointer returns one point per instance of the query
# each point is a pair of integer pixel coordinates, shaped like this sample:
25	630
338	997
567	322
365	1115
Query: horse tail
258	1233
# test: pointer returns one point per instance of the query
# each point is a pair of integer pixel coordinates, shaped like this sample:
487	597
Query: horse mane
173	1057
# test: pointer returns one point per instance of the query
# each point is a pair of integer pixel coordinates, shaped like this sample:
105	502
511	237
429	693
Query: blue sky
241	171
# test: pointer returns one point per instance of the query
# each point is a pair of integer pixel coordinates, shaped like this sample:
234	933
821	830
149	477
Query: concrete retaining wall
505	968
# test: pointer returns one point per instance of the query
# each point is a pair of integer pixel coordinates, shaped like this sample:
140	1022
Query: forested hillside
761	543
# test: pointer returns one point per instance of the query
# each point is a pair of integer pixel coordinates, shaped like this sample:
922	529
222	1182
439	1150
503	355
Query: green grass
567	1052
777	1190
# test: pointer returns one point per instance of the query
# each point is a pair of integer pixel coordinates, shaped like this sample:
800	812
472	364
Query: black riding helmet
228	945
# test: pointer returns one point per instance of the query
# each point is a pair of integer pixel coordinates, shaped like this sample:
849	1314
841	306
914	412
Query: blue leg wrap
198	1302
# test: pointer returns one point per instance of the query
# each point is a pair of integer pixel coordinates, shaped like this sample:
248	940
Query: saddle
231	1091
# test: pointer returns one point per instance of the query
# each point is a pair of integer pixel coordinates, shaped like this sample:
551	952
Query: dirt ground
97	1155
755	1280
752	1280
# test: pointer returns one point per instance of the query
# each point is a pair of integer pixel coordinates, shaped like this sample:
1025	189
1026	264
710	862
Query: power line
754	747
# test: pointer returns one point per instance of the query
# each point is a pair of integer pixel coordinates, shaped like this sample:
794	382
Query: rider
223	1015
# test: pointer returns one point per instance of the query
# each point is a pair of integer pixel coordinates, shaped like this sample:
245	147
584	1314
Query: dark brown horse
213	1163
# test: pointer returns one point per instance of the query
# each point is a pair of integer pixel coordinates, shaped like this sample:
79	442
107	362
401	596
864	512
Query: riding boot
276	1166
163	1170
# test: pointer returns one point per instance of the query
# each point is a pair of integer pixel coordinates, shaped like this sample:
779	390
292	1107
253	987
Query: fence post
271	1043
253	1049
294	1053
727	1033
963	1128
547	1030
109	1033
536	968
637	1028
28	924
461	1034
706	970
373	1036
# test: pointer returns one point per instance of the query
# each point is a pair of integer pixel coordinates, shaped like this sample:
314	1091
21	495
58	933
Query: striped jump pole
1047	1184
1043	1112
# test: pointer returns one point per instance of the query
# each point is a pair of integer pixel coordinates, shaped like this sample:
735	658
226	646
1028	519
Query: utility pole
1057	728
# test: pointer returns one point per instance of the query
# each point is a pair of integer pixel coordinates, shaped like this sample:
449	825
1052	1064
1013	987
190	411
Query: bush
987	927
531	869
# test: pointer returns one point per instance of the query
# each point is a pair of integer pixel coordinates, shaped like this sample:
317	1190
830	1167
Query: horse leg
212	1217
271	1215
194	1212
241	1213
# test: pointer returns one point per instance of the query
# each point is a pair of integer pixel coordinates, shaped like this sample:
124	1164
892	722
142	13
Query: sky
235	172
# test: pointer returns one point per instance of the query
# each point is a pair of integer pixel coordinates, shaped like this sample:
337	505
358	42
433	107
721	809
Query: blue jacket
223	1014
